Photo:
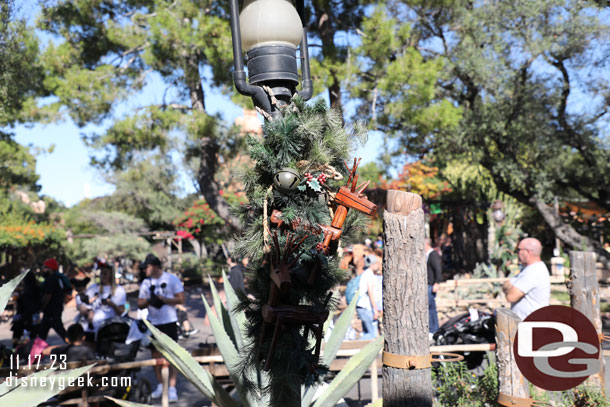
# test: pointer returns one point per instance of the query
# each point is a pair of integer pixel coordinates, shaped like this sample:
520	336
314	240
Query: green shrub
584	397
457	387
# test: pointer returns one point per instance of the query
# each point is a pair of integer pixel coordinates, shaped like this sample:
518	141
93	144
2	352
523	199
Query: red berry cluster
322	178
308	176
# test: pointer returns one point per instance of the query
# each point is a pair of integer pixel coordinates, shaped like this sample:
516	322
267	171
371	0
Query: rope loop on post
453	357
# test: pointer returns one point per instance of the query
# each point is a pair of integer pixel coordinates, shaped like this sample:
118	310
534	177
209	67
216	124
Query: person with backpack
365	282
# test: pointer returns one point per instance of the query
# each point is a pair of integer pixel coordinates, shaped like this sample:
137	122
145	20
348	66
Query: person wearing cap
366	307
52	306
160	293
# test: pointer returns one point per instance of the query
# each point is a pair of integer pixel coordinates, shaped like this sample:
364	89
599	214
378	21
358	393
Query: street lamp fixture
270	32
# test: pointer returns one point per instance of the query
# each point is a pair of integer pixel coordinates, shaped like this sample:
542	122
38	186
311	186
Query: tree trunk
208	148
329	52
584	297
334	95
193	81
208	186
405	304
510	380
568	234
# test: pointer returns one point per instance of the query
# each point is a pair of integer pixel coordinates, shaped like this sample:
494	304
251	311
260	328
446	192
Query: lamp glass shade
270	22
498	215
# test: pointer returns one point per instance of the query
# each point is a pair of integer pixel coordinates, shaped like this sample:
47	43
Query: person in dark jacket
53	295
236	275
435	276
28	308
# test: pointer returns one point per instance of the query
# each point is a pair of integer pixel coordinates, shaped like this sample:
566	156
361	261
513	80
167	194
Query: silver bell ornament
286	180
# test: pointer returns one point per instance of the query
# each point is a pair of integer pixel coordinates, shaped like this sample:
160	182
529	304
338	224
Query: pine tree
310	146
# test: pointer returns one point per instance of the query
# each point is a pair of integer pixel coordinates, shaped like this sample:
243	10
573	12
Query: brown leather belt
413	362
512	401
410	362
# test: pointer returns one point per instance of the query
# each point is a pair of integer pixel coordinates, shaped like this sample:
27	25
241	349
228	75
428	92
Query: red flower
184	234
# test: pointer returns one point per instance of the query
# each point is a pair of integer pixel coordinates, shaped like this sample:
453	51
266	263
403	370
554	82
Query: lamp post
270	32
498	212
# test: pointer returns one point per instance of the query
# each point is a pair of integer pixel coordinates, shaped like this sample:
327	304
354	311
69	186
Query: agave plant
228	328
30	396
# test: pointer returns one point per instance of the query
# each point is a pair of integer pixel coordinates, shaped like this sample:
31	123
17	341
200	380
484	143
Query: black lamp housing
274	66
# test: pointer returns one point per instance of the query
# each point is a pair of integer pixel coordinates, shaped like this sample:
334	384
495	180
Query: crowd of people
41	298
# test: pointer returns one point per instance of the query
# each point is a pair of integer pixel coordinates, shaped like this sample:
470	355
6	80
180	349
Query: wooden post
84	398
584	297
405	300
165	380
168	241
374	381
510	380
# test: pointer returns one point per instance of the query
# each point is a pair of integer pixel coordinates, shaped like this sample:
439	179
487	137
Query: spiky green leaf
350	374
30	396
227	350
222	311
189	367
126	403
238	319
7	289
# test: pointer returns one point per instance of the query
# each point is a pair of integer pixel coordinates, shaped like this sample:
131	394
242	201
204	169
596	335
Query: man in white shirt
160	293
531	288
366	307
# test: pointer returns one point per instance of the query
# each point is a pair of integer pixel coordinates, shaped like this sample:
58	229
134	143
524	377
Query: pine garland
305	139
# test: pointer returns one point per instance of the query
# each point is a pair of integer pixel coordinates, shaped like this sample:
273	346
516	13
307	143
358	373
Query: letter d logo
526	339
556	348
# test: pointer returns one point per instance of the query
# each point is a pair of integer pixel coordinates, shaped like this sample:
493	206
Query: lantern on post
270	32
498	212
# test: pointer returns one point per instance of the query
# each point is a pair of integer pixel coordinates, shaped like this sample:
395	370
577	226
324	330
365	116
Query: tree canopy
518	89
106	52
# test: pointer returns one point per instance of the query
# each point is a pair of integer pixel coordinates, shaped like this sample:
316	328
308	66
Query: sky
65	173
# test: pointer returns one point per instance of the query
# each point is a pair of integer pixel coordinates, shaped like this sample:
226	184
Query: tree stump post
584	297
405	300
165	380
510	380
